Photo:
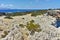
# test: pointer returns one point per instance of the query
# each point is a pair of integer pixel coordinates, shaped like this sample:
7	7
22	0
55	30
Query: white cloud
6	5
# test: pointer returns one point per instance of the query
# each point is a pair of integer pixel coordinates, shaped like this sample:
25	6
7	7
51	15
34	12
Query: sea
16	10
57	23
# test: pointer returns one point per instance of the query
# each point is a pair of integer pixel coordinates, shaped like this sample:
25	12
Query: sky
30	4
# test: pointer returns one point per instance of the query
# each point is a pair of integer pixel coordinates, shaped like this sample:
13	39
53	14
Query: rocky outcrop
16	32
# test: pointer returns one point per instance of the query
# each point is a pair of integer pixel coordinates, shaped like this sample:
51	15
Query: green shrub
33	27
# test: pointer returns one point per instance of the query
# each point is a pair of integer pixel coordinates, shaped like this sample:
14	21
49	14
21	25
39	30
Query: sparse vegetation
33	27
33	13
38	12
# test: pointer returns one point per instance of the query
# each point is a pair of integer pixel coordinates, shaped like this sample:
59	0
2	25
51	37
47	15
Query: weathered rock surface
16	32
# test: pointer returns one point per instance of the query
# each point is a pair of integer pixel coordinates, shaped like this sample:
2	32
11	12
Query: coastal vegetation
31	26
38	12
33	13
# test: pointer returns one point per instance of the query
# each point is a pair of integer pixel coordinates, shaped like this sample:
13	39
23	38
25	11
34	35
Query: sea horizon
17	10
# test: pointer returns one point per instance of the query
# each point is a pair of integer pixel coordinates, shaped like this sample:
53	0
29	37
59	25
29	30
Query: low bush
33	27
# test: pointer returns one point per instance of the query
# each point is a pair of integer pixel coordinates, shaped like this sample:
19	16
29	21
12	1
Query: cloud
6	5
